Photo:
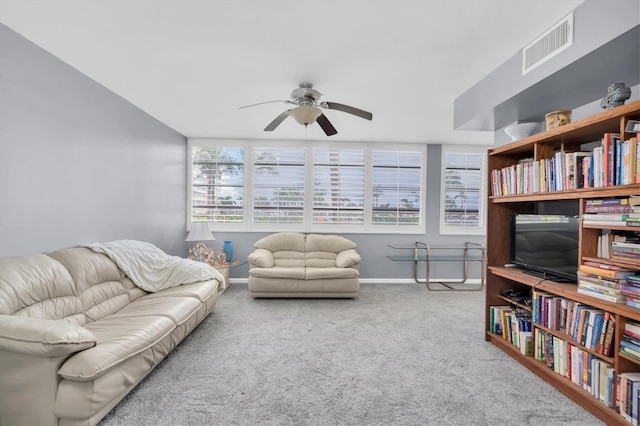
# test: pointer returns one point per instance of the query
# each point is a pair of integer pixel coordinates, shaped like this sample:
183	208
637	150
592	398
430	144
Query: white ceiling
191	64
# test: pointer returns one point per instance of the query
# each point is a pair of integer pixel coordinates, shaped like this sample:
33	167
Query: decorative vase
227	248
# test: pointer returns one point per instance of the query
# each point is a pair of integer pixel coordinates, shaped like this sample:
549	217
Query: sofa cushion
322	250
320	259
289	259
103	288
201	291
328	243
118	339
38	286
282	241
330	272
178	309
279	272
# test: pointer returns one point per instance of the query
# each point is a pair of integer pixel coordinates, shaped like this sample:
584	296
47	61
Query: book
605	222
605	216
632	329
604	272
605	266
602	296
608	339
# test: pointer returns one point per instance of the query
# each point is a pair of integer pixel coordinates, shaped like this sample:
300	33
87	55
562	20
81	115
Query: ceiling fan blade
267	102
349	109
328	128
275	123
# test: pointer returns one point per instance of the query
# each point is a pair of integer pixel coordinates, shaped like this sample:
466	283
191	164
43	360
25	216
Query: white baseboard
379	280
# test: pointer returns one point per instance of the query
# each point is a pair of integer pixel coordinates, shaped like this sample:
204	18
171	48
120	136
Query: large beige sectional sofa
292	264
76	335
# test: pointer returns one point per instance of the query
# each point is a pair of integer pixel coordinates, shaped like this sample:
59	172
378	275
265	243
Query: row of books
618	246
612	212
602	281
613	162
583	368
514	325
628	384
627	402
631	290
592	328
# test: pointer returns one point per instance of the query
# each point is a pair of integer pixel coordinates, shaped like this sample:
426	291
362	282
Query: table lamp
199	232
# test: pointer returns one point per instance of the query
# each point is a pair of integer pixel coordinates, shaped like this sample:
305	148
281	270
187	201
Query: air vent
548	45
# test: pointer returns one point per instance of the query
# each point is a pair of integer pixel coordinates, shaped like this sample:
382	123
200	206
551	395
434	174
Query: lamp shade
199	232
305	114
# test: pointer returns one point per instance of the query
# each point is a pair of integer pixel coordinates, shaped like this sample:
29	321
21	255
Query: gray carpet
397	355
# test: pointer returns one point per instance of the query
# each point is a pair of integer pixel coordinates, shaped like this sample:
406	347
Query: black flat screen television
545	246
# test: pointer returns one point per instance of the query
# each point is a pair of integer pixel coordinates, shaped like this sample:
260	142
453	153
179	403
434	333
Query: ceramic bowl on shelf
519	131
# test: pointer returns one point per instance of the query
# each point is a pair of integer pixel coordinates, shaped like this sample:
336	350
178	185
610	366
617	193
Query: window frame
480	228
248	225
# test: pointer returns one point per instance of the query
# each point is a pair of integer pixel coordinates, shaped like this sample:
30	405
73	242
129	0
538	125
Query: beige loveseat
292	264
76	335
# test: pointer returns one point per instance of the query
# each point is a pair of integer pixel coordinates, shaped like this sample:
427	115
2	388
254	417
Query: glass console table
224	269
423	252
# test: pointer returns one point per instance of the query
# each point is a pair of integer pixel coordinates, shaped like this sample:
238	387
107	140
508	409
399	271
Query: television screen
545	246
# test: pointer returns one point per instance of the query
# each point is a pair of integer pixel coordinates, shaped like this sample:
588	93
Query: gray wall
374	247
79	164
604	51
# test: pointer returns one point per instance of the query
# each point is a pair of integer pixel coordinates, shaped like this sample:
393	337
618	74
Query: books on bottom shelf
627	396
514	325
583	368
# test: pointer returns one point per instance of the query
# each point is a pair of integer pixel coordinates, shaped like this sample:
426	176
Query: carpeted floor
397	355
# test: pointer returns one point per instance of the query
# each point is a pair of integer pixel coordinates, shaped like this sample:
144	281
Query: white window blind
278	185
397	188
338	186
217	184
307	186
462	200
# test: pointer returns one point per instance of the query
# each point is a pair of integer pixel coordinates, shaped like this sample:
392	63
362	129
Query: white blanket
152	269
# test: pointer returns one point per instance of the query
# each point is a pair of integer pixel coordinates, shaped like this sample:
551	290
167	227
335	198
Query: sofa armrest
261	258
42	337
348	259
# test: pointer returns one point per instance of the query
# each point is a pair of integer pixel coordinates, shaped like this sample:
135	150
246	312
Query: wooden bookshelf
567	138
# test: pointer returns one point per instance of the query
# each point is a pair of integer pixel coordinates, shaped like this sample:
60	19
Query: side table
424	253
224	269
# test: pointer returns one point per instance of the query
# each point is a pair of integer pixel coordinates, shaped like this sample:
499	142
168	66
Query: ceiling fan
308	109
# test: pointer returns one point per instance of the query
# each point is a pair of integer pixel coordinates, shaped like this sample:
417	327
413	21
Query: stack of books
631	290
613	162
630	343
633	218
513	324
603	281
606	212
626	249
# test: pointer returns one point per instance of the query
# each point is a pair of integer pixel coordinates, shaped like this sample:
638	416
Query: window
217	184
397	188
307	187
462	196
278	185
338	186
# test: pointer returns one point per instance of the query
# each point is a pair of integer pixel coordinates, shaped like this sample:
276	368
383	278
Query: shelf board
569	291
571	194
563	384
581	131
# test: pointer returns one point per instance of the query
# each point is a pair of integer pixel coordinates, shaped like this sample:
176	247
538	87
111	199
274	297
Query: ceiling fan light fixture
305	114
